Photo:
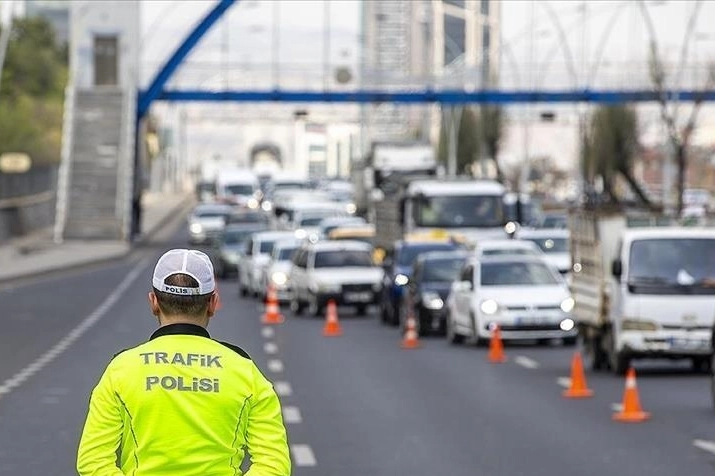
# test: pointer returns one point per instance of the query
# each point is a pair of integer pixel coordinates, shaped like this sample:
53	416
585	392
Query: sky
546	44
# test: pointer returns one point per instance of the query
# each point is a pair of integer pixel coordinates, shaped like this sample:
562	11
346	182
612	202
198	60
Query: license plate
690	343
525	321
358	297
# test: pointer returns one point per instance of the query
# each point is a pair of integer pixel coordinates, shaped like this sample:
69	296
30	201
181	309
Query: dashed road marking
303	455
564	382
19	378
526	362
292	415
705	445
275	365
283	389
270	348
267	332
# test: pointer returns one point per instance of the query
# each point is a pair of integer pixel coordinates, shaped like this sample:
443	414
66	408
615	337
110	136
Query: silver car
207	221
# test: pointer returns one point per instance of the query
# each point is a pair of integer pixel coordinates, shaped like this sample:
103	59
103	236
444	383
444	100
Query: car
306	218
330	223
255	258
426	294
522	295
397	264
554	243
342	271
554	220
248	216
227	248
206	221
278	269
506	247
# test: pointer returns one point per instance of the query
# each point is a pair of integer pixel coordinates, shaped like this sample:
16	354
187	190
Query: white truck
387	163
472	209
641	292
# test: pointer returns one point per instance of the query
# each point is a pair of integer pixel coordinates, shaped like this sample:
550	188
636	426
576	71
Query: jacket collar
180	329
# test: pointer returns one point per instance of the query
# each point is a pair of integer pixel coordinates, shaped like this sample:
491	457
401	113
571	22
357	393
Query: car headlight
196	228
279	278
401	279
252	203
489	307
567	325
432	300
350	208
266	206
638	325
567	304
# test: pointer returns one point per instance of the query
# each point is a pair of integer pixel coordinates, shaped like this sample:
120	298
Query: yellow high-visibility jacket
183	404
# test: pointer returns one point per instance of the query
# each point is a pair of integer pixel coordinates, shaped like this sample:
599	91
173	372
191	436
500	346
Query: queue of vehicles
441	251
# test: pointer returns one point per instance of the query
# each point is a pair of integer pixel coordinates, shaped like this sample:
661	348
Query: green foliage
32	91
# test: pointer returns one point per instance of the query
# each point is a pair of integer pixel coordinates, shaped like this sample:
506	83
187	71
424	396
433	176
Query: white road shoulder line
564	382
24	374
275	365
283	389
303	455
270	348
526	362
705	445
292	415
267	332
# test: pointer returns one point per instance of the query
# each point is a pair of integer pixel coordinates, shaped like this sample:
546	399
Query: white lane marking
303	455
267	332
275	365
292	415
270	348
564	382
617	407
283	389
705	445
24	374
526	362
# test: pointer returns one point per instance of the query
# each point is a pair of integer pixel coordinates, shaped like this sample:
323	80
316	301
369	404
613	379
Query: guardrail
27	201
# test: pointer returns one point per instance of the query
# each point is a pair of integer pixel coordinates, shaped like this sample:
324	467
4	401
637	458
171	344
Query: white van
238	187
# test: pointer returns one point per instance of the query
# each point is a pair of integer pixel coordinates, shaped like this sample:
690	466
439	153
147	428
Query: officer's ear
214	304
153	303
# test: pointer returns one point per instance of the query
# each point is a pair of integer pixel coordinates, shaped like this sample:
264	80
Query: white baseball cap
182	261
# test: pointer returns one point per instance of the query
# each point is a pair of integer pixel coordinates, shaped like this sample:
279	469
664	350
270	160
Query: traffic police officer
183	403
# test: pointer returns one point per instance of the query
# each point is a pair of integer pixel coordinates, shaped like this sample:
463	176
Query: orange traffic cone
273	311
631	411
332	325
411	337
578	388
496	347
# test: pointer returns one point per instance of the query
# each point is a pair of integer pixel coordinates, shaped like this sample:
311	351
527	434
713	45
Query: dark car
249	216
228	246
426	294
398	269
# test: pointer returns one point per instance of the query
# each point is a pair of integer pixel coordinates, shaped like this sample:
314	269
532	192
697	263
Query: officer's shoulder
236	349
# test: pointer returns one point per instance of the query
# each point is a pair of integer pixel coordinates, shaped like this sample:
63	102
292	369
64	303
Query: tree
34	76
611	146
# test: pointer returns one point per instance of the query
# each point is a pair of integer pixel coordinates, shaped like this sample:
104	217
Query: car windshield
235	237
517	274
267	246
551	245
248	218
508	251
211	214
554	221
240	189
459	211
672	265
407	253
285	254
343	258
442	270
311	221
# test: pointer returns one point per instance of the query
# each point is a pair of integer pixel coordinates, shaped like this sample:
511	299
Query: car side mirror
617	268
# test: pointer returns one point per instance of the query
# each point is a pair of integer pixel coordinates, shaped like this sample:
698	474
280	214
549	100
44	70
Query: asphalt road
357	404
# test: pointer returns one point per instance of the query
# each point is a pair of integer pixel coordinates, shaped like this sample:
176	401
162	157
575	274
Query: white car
506	247
334	270
206	222
523	295
278	269
554	242
255	259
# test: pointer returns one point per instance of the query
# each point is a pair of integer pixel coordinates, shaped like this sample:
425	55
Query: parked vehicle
342	271
206	221
646	292
427	291
523	295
